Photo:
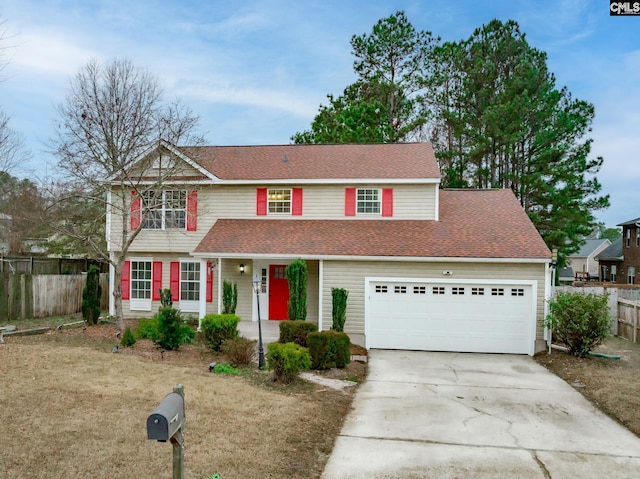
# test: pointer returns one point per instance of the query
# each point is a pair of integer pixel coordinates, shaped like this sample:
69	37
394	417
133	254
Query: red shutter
387	202
192	210
209	282
157	280
261	202
135	211
125	279
174	281
296	204
350	202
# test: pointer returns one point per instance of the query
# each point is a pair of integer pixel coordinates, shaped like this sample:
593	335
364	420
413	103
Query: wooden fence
45	265
24	296
629	319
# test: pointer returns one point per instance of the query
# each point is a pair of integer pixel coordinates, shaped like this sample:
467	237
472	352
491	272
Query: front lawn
611	384
73	408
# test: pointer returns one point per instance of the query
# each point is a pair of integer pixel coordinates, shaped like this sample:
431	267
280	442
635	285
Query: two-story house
426	269
620	262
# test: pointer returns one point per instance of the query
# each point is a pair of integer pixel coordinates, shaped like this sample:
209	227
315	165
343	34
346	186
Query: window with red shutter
261	201
192	210
296	207
125	280
135	211
387	202
350	202
157	280
174	280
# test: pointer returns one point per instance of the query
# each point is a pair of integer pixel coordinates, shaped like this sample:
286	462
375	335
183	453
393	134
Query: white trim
522	282
108	218
219	285
332	181
202	306
320	287
140	304
112	285
547	297
437	204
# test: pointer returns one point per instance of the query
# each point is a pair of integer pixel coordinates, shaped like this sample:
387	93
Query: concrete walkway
270	330
448	415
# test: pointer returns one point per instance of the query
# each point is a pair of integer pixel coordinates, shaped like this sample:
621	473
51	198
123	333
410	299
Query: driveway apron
460	415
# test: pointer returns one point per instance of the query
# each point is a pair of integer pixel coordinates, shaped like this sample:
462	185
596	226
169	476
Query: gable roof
613	252
630	222
472	224
404	161
589	247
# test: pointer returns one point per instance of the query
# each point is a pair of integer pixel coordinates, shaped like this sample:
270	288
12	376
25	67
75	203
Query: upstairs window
279	201
368	200
637	236
163	210
628	237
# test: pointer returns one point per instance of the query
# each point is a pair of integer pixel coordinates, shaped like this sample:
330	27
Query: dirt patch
611	384
64	391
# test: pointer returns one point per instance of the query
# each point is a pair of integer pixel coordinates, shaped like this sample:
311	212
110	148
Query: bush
148	329
296	332
172	332
297	278
218	328
91	296
329	349
240	351
229	297
226	369
127	339
579	321
339	308
287	360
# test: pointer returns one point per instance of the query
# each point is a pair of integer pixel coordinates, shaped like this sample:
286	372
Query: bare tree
109	145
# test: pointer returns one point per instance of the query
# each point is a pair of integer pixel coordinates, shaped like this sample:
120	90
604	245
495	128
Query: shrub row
329	349
217	328
296	332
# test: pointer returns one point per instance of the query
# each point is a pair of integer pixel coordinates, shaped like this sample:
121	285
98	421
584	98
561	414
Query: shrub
339	308
148	329
91	296
297	277
172	332
241	351
229	297
296	332
287	360
329	349
218	328
579	321
127	339
226	369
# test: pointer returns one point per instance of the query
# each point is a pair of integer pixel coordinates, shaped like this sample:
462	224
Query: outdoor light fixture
554	256
257	285
241	269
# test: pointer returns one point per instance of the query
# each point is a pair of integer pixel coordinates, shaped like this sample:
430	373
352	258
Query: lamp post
257	284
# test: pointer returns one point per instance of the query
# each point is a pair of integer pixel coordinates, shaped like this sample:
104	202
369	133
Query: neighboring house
426	269
584	262
610	261
620	263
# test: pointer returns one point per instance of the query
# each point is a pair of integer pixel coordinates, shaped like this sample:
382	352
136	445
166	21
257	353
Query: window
477	291
189	281
381	289
140	279
517	291
419	290
263	280
457	291
628	237
614	271
165	210
637	236
279	201
368	200
438	290
400	289
631	275
497	291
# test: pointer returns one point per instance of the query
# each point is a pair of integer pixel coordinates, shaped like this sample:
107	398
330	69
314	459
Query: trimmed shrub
127	339
229	297
339	308
579	321
172	332
226	369
148	329
296	332
217	328
286	360
240	351
329	349
297	277
91	296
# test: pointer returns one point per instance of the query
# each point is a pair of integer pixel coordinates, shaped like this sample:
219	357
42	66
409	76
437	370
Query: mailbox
167	419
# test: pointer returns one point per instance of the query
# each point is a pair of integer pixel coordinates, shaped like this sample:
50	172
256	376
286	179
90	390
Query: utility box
167	419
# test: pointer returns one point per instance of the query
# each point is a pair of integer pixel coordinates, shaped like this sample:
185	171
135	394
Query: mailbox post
166	423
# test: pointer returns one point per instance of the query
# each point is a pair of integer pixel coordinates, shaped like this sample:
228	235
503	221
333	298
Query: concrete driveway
449	415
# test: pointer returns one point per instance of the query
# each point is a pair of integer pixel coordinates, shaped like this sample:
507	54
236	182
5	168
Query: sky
256	71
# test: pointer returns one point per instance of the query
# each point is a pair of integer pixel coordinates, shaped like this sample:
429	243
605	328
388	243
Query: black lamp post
257	284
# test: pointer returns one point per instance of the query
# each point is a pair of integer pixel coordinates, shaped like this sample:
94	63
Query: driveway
450	415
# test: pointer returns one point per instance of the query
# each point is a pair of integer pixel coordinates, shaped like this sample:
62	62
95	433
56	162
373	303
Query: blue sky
257	70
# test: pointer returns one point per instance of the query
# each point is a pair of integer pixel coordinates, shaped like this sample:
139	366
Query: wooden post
635	322
178	443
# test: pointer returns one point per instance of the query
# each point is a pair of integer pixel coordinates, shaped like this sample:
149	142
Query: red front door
278	292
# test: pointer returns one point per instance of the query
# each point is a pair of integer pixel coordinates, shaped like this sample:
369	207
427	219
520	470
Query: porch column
112	279
320	285
202	304
219	285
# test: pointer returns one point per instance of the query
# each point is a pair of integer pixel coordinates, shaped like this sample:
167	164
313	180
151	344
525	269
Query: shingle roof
300	162
588	248
472	224
630	222
613	252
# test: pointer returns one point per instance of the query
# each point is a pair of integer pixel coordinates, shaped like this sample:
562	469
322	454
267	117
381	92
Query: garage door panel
450	317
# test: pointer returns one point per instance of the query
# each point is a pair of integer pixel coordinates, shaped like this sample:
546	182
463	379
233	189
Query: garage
463	316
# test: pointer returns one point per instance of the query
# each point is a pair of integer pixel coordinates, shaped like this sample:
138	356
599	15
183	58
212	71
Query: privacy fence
24	296
45	265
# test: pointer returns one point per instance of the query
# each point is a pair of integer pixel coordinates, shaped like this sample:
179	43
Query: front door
278	292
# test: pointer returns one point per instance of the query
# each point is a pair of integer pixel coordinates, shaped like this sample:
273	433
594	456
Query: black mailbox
167	419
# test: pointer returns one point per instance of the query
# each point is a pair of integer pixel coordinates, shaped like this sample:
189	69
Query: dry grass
610	384
71	408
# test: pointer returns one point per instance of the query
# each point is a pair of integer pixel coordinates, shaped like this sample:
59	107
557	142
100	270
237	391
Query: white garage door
464	317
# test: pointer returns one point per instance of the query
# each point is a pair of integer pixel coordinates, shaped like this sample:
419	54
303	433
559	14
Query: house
584	263
620	262
426	269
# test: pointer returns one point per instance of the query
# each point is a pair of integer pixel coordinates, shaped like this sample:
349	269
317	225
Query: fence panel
629	319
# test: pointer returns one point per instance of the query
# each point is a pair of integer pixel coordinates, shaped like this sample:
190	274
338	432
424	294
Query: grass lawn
613	385
72	408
